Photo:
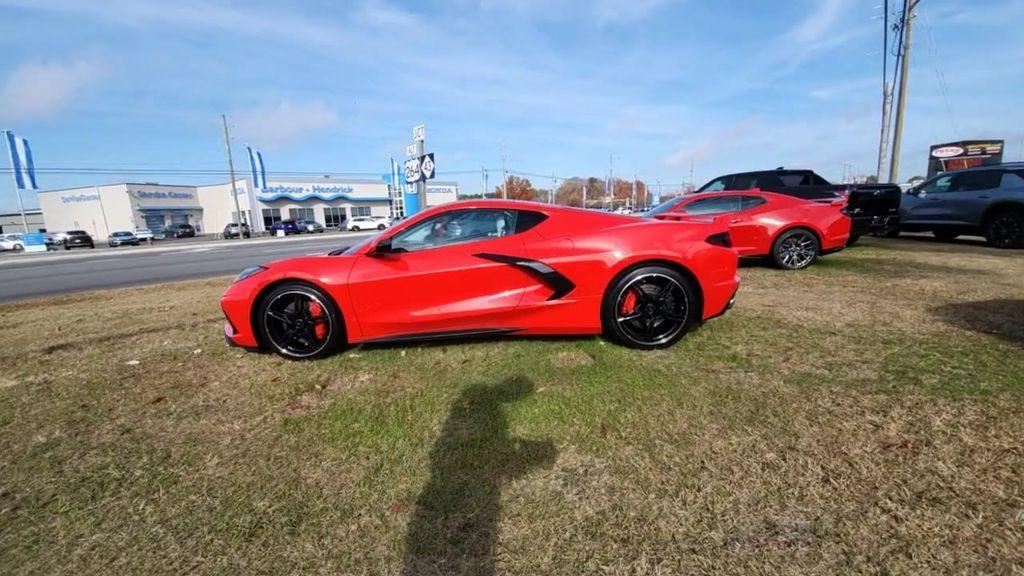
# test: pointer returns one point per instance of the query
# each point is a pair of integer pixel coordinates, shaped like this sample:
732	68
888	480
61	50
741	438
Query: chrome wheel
297	324
796	250
652	309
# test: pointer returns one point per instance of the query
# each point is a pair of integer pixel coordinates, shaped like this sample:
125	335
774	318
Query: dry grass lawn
862	416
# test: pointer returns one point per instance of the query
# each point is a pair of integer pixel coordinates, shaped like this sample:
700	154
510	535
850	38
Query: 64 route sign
419	169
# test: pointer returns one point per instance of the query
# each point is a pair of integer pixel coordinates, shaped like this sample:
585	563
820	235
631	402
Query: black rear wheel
1005	230
795	249
650	307
299	321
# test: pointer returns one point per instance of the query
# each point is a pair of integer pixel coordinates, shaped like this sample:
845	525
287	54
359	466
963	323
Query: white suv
358	223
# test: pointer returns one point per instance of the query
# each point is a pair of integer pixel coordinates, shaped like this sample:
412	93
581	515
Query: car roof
1002	166
752	192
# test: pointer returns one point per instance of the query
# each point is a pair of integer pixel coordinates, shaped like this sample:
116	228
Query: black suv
987	201
180	231
78	239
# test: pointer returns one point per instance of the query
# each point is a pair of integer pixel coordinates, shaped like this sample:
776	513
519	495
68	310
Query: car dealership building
101	210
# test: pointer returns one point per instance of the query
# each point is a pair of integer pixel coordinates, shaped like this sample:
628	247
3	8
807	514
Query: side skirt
440	336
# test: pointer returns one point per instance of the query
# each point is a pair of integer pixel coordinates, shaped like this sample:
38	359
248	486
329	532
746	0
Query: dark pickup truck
871	207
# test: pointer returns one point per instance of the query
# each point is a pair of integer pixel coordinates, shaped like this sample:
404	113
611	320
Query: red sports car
491	267
792	231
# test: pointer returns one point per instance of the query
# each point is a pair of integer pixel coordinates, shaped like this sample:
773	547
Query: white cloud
43	90
819	22
274	127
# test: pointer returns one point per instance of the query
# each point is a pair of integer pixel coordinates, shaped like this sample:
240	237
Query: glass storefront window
300	213
271	216
334	216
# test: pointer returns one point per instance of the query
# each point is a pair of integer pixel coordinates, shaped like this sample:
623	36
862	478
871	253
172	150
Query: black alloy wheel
1005	230
298	321
649	308
795	249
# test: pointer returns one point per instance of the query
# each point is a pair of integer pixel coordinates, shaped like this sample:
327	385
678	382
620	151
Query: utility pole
883	137
692	184
504	173
551	195
419	137
610	192
584	193
901	102
231	172
483	179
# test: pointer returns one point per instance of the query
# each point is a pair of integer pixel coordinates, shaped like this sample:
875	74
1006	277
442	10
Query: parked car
60	238
987	201
122	237
289	227
144	234
11	243
51	241
359	223
382	220
791	231
872	208
311	226
642	283
180	231
231	230
78	239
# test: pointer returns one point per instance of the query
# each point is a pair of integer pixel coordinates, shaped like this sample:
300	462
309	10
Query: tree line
570	192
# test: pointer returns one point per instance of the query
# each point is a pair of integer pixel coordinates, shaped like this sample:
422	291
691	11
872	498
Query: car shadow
1002	318
455	522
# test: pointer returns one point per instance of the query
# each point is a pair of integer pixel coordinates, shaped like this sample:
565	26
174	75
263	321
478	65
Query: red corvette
490	267
792	231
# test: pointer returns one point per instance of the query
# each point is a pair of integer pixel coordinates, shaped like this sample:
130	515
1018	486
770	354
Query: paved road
32	275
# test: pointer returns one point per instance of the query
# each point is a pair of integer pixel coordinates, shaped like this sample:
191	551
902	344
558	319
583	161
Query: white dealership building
101	210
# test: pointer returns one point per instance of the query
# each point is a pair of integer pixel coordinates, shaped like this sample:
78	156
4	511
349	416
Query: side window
748	202
742	182
526	219
939	184
714	185
716	205
794	179
455	227
1012	179
976	180
818	180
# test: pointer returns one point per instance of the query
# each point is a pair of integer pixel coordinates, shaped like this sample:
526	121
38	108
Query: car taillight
721	239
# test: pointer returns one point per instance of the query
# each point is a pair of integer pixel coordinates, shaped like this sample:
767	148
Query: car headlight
250	271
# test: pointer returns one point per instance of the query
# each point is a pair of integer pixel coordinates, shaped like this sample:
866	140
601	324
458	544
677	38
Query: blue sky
327	86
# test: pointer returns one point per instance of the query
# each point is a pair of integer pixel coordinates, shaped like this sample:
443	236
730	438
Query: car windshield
662	208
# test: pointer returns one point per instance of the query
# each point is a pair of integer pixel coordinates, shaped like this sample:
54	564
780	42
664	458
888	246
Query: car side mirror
382	247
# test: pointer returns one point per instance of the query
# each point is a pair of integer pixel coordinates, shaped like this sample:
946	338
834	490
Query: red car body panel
754	230
459	288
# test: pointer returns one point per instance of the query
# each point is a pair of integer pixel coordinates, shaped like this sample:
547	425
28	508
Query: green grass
860	416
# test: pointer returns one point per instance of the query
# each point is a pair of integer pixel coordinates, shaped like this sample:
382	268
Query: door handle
735	220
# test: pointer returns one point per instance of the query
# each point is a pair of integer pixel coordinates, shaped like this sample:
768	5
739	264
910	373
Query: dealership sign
69	198
163	195
947	152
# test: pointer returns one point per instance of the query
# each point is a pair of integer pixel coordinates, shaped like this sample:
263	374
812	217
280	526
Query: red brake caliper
628	304
317	312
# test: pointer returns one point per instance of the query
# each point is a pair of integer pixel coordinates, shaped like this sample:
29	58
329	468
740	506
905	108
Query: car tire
381	226
649	307
890	232
289	307
66	247
795	249
91	246
18	248
354	229
945	235
853	240
1005	229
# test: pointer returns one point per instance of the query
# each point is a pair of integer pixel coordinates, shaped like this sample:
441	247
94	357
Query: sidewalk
177	245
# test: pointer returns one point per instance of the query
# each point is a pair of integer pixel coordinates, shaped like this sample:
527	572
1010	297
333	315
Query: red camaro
792	231
491	267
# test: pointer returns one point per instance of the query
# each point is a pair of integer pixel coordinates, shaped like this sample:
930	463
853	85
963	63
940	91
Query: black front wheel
648	308
795	249
299	321
1005	230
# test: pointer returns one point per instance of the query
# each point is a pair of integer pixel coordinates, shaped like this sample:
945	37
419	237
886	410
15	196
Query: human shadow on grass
1003	318
455	522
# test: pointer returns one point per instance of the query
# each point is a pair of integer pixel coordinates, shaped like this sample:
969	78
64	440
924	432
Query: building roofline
92	186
